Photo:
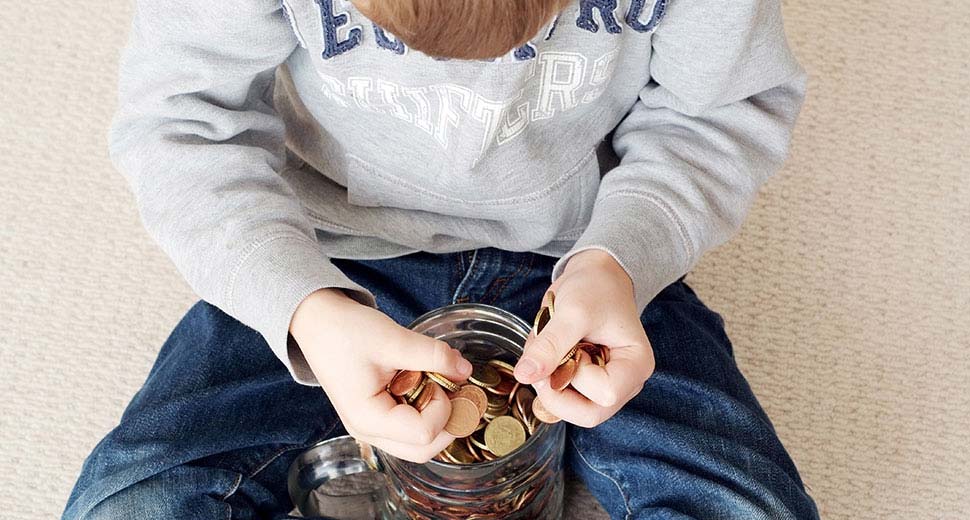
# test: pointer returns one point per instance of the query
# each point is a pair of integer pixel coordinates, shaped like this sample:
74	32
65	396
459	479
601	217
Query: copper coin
523	401
512	393
404	382
563	375
604	354
540	412
424	398
464	417
475	395
582	358
504	388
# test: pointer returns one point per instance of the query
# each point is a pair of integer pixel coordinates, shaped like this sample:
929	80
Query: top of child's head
462	29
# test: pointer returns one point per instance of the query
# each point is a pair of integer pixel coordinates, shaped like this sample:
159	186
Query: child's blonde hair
463	29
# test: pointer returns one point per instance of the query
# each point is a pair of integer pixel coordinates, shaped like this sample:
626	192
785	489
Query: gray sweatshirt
263	138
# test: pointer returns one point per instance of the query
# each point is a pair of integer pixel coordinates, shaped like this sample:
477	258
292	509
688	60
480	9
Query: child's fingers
543	353
608	385
411	452
418	352
382	417
571	406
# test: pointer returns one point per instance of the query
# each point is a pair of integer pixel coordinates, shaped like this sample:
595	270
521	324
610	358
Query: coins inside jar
491	414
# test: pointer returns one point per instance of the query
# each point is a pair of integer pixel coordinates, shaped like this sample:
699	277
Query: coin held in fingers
563	375
404	382
443	381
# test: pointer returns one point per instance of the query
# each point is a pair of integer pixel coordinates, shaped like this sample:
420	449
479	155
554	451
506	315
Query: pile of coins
491	415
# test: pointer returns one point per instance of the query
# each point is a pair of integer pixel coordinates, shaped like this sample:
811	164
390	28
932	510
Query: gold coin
404	382
474	451
495	403
542	318
411	396
502	366
477	440
563	375
475	395
541	413
424	398
485	376
504	435
443	382
549	300
464	417
569	355
458	451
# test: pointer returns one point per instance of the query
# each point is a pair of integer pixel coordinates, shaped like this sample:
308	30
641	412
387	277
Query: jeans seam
498	286
461	284
232	489
265	463
269	460
626	501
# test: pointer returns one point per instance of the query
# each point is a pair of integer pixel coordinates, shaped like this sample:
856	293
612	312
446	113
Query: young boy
322	172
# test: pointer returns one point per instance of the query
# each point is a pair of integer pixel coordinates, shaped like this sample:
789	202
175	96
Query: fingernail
527	367
464	367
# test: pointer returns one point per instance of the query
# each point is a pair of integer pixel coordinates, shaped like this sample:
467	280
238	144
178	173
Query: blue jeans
219	420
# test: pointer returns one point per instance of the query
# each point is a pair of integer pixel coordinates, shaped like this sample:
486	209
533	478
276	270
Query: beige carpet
847	294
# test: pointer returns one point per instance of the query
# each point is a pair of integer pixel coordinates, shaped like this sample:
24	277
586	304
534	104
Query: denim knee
180	492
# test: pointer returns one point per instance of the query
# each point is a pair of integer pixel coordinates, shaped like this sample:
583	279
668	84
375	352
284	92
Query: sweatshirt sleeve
200	144
712	124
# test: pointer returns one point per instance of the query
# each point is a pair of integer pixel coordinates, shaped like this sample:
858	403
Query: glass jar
525	484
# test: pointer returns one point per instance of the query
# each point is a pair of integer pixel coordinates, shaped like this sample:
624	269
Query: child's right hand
354	351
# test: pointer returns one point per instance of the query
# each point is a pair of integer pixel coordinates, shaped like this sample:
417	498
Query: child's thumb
543	353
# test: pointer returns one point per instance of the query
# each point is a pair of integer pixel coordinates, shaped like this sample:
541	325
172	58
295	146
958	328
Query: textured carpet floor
847	294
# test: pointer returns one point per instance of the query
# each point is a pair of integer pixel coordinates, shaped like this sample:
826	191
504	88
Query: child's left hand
593	302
